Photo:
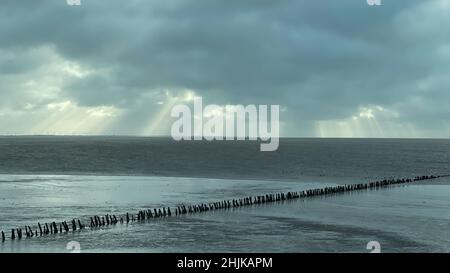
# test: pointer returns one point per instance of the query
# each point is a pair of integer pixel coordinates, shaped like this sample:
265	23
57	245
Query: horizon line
168	136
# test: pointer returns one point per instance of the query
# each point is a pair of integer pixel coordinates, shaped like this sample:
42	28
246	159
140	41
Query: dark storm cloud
320	60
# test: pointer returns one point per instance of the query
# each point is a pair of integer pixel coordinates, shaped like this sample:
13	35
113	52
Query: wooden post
40	229
66	227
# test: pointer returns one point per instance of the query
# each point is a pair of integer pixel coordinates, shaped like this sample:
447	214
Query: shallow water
412	218
44	178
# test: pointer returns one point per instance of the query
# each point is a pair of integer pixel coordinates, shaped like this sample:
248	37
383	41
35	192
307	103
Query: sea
57	178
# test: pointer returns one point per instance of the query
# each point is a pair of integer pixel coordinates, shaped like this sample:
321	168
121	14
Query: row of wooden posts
109	220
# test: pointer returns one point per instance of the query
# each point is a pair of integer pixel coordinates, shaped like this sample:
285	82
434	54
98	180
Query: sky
336	68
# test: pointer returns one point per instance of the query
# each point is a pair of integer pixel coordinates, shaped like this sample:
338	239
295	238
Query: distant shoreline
169	137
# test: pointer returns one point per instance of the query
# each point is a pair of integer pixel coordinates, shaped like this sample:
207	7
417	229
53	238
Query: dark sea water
348	159
59	178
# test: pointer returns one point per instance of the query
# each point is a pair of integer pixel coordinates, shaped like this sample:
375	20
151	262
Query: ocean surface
46	179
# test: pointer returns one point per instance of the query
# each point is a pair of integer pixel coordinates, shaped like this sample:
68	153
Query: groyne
96	221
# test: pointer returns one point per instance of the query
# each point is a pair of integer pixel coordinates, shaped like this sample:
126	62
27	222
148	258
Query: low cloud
122	64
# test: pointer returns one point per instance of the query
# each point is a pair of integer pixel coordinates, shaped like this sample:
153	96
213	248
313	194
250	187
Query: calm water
44	178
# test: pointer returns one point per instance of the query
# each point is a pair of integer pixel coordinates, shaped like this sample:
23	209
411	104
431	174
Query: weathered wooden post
66	226
31	231
40	229
3	236
81	225
74	225
55	227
